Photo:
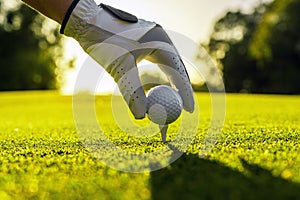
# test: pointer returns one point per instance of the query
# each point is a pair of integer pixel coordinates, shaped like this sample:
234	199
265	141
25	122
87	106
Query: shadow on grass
192	178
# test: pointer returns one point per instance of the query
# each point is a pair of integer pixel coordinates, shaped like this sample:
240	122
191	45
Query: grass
256	157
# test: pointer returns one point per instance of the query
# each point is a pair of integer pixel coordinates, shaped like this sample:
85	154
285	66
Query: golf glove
118	41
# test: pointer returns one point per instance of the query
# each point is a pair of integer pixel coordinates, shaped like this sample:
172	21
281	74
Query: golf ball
164	104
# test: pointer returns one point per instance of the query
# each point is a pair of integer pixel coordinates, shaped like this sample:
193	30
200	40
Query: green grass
256	157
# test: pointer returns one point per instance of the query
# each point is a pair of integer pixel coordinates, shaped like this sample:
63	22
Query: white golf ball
164	104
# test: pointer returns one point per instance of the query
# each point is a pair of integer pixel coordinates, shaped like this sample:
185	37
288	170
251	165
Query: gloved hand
118	41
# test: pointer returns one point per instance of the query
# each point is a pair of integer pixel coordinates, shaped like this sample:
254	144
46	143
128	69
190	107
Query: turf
256	157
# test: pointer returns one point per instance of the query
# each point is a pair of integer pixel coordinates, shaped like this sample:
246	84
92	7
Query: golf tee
163	131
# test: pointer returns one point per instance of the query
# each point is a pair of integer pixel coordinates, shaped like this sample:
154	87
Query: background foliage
259	52
256	52
30	49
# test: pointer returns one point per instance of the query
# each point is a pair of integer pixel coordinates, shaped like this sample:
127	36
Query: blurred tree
259	52
276	47
30	48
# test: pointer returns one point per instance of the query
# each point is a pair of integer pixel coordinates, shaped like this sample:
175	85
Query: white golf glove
118	41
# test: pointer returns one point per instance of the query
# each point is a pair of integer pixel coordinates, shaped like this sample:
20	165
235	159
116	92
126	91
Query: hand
118	41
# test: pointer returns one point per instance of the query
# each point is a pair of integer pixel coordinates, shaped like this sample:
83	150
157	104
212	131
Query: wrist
67	16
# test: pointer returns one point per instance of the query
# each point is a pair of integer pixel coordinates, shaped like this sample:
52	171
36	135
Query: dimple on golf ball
164	104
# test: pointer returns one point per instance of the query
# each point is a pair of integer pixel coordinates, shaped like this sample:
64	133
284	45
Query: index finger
172	65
